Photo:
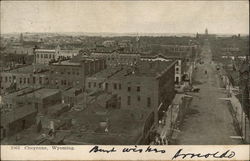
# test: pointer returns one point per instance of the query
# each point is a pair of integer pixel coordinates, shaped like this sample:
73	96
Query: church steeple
206	32
21	38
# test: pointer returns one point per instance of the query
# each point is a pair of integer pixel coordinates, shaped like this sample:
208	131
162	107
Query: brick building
72	73
116	58
25	76
147	85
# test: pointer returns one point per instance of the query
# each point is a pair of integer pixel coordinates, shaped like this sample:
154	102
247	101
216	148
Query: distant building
45	56
11	60
109	43
117	58
206	31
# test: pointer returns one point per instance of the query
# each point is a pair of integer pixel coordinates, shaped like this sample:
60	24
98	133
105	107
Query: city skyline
125	17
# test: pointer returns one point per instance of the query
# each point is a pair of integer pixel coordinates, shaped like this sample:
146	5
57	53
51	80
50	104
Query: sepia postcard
125	80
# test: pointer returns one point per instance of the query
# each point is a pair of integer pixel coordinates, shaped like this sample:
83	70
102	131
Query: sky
220	17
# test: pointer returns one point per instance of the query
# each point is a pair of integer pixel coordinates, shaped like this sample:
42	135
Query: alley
208	120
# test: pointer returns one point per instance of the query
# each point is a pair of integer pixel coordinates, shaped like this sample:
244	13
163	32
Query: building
147	85
45	56
117	58
29	117
72	96
17	120
109	43
180	66
25	76
72	73
11	60
206	31
106	126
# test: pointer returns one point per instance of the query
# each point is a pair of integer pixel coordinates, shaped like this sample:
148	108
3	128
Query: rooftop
124	126
106	73
40	93
29	69
45	50
67	62
16	114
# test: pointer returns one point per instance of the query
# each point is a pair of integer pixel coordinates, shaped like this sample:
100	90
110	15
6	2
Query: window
24	80
148	101
129	100
100	85
129	89
120	86
115	86
40	80
94	84
106	86
45	55
138	89
50	56
37	55
89	84
41	55
34	80
20	80
138	98
6	79
28	80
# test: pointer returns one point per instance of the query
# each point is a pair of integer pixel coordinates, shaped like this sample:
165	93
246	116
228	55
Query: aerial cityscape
124	88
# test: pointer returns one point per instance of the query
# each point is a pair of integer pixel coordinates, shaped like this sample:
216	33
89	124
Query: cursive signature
226	154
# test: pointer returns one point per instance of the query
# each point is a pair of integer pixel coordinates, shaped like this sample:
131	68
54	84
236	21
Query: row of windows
94	84
8	78
139	99
138	89
73	72
50	56
27	80
64	82
23	80
123	59
115	86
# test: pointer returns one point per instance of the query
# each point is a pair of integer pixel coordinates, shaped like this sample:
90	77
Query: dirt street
208	120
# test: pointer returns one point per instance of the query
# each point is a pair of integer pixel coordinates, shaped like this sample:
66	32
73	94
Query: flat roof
45	50
67	62
41	93
125	126
28	69
108	72
16	114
